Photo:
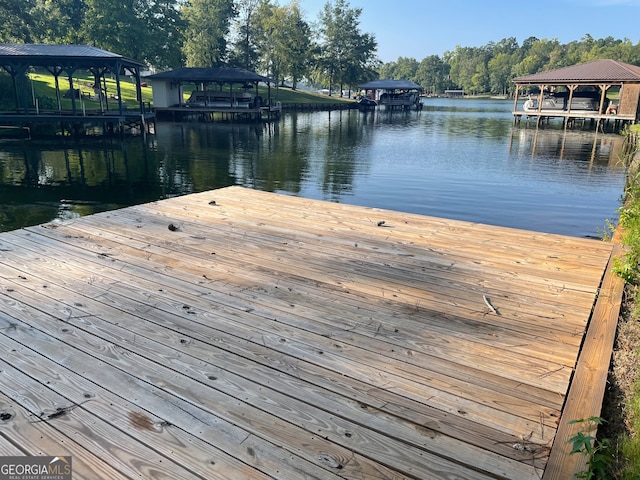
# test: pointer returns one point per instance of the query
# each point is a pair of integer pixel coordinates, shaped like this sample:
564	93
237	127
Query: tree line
492	67
279	42
258	35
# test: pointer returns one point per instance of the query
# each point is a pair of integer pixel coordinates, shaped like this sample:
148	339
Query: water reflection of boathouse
587	147
605	93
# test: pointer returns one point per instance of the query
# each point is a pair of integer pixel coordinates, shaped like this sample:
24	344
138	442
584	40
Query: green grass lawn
44	90
287	95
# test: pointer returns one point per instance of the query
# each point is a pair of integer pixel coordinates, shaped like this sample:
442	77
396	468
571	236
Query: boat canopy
391	85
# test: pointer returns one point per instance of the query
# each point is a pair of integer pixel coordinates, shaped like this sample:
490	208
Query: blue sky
419	28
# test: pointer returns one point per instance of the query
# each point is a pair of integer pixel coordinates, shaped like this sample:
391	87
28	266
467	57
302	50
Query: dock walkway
238	334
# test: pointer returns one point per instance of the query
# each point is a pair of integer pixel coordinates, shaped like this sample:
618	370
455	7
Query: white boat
558	103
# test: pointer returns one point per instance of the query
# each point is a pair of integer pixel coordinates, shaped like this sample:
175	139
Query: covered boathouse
226	92
604	92
394	94
93	106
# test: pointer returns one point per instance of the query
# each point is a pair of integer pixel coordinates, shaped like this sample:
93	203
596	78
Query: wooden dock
238	334
66	122
210	114
579	119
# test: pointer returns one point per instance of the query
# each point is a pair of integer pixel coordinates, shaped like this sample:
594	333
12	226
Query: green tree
500	68
165	34
540	55
406	68
207	26
16	21
116	26
492	67
61	21
285	42
548	53
432	74
388	70
527	44
480	79
268	21
576	51
146	30
244	52
468	68
363	66
507	46
615	49
297	44
347	55
630	53
527	66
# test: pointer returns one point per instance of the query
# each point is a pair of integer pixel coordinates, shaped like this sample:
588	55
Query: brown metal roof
608	71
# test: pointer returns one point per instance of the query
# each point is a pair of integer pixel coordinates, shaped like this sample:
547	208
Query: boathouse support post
98	83
19	70
118	90
572	89
104	89
205	90
14	79
516	117
58	93
98	76
567	117
136	73
70	71
257	95
58	99
540	98
603	95
56	71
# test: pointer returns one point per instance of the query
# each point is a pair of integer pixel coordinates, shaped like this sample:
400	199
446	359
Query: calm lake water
459	159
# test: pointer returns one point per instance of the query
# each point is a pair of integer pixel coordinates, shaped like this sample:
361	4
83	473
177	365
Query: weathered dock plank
590	380
242	334
302	351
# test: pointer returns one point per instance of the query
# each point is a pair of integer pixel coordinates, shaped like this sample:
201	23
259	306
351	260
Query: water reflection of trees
302	151
46	181
193	157
341	162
